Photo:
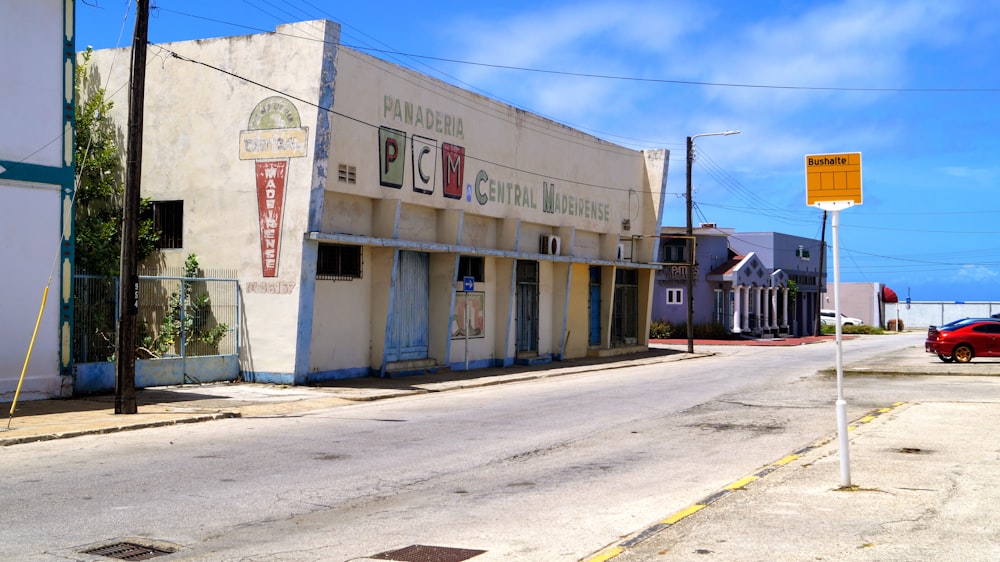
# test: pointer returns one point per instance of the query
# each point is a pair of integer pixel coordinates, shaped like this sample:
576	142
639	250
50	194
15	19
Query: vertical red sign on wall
453	157
270	199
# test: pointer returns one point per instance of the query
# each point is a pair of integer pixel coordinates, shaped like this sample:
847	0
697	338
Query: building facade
741	281
36	197
802	261
382	221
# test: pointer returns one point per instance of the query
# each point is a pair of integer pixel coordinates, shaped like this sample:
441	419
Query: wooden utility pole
128	288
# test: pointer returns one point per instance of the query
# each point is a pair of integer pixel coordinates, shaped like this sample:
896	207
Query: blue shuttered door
410	308
595	306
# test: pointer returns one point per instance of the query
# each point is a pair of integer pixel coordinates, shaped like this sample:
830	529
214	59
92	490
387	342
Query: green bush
663	330
660	330
832	330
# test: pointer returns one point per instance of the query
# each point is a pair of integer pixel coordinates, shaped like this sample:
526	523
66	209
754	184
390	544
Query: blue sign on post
468	283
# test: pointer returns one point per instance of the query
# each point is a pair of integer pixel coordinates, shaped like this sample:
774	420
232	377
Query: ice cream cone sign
274	135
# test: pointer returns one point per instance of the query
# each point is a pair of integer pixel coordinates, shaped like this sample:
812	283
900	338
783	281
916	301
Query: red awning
888	295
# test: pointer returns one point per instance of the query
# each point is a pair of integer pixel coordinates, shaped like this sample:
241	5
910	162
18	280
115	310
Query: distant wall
934	313
860	300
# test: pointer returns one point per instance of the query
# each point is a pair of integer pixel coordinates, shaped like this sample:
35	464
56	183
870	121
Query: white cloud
975	273
849	44
626	39
977	176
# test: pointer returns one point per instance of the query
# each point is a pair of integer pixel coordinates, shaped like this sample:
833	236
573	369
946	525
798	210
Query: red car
964	339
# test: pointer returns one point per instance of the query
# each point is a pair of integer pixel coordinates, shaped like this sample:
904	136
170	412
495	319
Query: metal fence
178	317
95	313
934	313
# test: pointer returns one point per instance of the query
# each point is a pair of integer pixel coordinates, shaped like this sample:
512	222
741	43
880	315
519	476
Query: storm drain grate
421	553
128	551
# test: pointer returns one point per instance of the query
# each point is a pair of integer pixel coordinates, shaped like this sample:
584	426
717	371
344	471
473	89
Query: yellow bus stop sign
833	181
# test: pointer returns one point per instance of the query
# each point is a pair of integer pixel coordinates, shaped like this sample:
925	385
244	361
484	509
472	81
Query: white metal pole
845	459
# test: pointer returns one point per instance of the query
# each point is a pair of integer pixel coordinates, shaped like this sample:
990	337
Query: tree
98	204
189	317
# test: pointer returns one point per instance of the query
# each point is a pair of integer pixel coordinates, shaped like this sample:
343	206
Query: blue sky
913	85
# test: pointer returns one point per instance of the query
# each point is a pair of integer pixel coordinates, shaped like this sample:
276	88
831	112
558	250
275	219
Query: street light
690	234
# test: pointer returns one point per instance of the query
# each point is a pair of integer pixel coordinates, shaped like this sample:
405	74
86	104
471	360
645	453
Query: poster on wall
472	324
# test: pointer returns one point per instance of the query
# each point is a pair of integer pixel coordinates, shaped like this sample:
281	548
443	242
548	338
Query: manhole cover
421	553
128	551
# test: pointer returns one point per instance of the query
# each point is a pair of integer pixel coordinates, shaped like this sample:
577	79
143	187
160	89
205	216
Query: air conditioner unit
548	244
620	254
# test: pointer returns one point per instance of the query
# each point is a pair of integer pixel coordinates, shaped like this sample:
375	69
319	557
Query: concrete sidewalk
923	488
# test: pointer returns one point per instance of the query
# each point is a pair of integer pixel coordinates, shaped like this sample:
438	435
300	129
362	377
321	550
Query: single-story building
382	221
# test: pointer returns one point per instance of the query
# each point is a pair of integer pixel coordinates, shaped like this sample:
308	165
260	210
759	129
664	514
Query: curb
612	551
5	441
279	407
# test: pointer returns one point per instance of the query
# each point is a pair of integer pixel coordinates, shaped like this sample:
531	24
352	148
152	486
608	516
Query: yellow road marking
741	483
608	554
786	460
683	513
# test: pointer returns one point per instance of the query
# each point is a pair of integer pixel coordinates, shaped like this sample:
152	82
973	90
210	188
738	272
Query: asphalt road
545	470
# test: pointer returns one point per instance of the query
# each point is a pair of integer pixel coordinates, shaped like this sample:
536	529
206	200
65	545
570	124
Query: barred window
168	220
338	262
472	266
674	250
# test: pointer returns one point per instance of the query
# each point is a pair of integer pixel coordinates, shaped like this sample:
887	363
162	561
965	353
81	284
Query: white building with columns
737	286
759	302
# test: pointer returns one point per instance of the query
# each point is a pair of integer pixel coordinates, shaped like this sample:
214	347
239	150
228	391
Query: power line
374	126
364	49
620	77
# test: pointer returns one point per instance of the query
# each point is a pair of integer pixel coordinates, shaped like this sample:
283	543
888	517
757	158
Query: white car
829	318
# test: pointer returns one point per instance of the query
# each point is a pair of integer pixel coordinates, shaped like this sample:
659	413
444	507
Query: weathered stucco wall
405	163
511	157
198	116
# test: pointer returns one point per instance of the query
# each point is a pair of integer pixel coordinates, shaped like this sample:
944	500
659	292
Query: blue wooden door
410	308
527	306
595	306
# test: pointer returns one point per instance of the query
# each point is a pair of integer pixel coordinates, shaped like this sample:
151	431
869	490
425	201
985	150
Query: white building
369	209
36	190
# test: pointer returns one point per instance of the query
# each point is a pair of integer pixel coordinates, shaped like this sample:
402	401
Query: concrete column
774	308
784	309
765	310
744	309
737	308
761	305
